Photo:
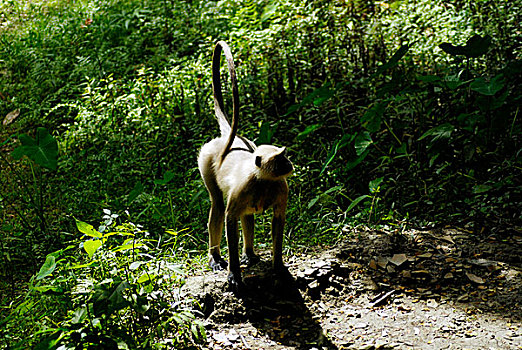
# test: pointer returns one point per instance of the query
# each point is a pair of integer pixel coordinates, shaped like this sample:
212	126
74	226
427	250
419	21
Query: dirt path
444	289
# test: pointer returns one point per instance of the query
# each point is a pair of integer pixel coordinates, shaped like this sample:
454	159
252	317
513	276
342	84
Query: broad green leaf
356	201
402	149
116	299
87	229
453	82
490	88
374	184
79	315
49	289
428	78
265	134
394	60
439	132
433	159
324	197
124	247
135	192
324	95
147	277
476	46
353	163
91	246
269	11
293	108
81	266
167	177
333	189
142	304
320	94
135	265
309	129
453	50
313	201
316	97
362	141
43	150
372	119
47	268
48	343
481	189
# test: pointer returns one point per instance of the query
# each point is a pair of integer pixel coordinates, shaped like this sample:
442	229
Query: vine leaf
265	134
92	246
167	177
490	88
356	201
394	60
47	268
309	129
135	192
442	131
43	150
476	46
362	141
87	229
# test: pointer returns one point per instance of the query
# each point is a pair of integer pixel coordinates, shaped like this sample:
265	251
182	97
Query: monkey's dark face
272	162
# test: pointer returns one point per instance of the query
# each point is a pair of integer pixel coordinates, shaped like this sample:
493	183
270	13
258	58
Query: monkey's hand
249	259
217	263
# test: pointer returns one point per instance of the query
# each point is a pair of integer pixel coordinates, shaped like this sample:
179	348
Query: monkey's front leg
278	225
234	270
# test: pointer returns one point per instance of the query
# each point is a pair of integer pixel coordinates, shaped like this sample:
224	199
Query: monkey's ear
258	161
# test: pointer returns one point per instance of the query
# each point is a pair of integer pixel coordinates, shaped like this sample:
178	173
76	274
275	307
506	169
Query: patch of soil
433	289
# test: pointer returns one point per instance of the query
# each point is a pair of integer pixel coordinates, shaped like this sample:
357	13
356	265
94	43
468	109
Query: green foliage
43	151
403	111
123	293
475	47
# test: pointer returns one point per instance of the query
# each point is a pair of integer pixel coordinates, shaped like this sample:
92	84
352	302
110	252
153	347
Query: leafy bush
117	288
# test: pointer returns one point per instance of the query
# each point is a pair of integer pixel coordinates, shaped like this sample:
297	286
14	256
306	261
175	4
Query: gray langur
251	179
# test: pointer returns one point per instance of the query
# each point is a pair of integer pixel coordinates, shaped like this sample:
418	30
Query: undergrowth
115	287
394	113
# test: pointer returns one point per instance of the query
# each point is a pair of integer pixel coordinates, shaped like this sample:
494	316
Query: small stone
360	325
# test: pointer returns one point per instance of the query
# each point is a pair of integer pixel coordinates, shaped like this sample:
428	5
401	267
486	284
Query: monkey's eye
258	161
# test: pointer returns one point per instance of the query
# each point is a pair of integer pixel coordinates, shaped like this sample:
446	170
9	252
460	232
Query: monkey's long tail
219	107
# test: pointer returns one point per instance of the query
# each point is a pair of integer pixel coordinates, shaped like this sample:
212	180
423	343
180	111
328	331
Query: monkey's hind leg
215	232
248	258
234	270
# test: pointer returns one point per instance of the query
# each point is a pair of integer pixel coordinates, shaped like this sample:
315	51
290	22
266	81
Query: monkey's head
272	163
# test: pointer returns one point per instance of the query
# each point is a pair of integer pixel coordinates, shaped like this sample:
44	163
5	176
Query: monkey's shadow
275	306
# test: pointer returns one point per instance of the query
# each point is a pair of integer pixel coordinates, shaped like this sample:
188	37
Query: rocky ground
437	289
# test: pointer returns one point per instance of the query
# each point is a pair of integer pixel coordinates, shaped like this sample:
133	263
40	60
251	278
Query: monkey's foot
281	271
217	263
235	283
249	259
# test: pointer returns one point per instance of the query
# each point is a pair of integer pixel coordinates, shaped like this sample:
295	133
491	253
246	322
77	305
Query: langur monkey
251	179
